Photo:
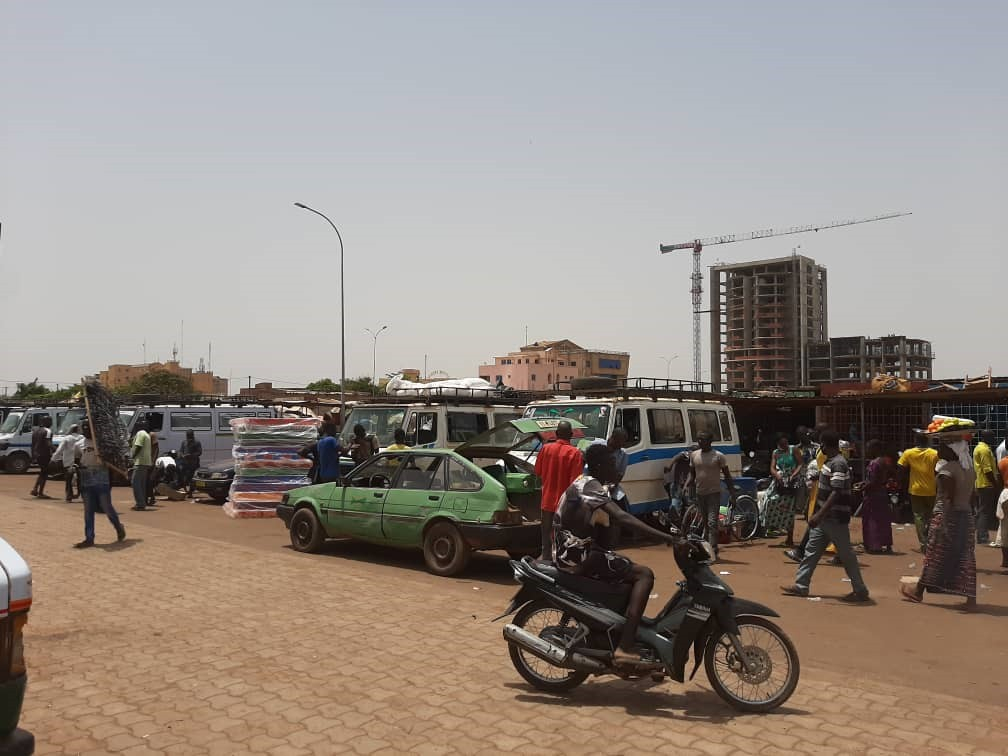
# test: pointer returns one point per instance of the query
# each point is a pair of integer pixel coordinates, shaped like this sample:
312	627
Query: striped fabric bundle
106	428
267	464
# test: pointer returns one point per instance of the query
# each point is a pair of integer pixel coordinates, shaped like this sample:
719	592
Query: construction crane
698	244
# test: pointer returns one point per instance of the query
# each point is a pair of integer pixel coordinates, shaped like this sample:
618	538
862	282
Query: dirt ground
934	646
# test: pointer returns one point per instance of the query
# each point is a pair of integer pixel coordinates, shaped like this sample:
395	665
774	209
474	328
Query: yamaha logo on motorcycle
566	628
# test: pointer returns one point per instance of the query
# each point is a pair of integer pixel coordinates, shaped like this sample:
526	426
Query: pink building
552	364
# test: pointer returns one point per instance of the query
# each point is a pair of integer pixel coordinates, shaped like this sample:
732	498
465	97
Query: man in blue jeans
831	524
95	489
707	466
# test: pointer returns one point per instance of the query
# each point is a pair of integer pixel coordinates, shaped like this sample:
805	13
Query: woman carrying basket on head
950	558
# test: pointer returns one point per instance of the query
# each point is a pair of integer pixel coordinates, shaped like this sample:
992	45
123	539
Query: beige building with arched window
545	365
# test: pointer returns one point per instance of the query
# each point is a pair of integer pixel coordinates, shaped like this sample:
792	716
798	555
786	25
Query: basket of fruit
946	428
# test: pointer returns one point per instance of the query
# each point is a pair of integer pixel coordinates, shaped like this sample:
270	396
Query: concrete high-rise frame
764	314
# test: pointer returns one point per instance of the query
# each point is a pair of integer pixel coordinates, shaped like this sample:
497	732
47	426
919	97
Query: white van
658	430
434	425
211	426
16	434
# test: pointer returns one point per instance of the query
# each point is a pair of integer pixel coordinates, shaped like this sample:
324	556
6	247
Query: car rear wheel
445	550
306	532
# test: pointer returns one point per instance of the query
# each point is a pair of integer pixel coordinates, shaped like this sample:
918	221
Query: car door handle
434	498
378	494
645	458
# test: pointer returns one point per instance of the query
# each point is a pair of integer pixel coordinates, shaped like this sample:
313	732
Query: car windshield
11	423
72	417
125	417
380	422
594	416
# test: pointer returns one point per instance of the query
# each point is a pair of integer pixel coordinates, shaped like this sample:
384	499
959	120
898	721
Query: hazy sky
491	166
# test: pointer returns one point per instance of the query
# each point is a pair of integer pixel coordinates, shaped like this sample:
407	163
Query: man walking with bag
831	524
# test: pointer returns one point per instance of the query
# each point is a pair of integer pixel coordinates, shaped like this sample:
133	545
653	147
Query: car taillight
507	517
17	665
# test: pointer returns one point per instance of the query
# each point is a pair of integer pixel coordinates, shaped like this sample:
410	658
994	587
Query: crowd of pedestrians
957	498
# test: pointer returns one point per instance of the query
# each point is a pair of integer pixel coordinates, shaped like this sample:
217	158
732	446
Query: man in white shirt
65	454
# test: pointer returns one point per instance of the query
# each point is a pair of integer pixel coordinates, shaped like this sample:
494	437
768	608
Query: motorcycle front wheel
774	671
744	518
545	621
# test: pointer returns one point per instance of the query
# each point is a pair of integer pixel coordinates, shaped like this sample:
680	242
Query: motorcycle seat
614	596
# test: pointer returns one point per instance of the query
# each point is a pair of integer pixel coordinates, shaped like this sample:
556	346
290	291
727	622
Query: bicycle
740	523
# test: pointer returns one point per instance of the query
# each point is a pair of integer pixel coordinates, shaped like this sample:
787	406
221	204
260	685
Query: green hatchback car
482	495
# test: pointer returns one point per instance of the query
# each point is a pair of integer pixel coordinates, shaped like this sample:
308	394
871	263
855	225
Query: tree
326	385
32	390
362	384
159	382
323	385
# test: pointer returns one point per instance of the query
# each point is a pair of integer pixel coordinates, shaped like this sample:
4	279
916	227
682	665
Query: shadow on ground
491	567
642	699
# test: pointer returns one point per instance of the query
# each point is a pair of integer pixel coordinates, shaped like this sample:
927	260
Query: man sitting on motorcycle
586	529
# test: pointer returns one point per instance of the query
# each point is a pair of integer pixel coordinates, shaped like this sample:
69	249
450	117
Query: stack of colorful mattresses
267	463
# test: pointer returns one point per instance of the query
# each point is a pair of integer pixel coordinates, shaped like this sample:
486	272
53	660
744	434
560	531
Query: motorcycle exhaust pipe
550	652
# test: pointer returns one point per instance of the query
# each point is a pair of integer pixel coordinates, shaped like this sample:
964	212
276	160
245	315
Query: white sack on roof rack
466	387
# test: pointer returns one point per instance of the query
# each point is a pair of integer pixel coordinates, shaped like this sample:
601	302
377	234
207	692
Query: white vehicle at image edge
16	435
15	603
16	432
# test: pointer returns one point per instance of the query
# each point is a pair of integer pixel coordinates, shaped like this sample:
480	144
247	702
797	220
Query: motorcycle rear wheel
535	618
769	648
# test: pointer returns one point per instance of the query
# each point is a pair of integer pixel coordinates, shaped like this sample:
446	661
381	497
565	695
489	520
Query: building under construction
860	358
764	315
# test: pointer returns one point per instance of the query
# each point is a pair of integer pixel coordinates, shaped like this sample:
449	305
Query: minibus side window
726	433
154	420
628	418
666	426
704	421
191	421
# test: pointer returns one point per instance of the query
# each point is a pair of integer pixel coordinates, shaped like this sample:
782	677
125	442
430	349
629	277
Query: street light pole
374	357
342	382
668	366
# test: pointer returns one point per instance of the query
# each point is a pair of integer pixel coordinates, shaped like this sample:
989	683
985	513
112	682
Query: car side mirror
752	455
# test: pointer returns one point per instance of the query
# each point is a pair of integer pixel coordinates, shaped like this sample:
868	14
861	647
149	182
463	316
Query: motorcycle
567	627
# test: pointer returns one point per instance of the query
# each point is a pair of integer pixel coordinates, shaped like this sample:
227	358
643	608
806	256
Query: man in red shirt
558	465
